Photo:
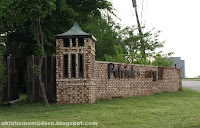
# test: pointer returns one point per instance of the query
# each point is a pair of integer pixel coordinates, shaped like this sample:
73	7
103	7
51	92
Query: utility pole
139	28
137	18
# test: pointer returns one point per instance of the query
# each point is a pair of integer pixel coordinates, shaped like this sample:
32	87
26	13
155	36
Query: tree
133	50
39	10
21	12
150	42
162	60
137	58
118	57
60	20
101	25
132	40
106	32
30	25
89	9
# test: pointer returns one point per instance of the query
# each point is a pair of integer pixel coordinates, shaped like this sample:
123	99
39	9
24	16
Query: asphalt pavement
194	85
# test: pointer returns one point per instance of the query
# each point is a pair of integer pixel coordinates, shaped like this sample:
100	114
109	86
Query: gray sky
179	22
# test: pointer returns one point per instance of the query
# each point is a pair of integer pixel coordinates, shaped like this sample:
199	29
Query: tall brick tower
75	61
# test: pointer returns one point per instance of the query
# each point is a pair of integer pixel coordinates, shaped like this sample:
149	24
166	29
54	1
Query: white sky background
179	21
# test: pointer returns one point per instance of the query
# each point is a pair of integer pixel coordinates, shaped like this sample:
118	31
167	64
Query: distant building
178	63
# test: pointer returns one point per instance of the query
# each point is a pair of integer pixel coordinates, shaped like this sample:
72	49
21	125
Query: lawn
180	109
191	79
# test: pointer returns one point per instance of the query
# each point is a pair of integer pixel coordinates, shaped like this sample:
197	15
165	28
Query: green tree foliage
137	58
58	18
22	12
101	25
30	25
134	52
118	57
89	9
132	40
162	60
106	32
148	56
19	21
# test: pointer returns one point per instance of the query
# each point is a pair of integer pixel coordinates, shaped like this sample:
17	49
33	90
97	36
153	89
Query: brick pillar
89	69
76	89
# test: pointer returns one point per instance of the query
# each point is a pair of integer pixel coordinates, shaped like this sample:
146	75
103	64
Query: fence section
48	78
11	88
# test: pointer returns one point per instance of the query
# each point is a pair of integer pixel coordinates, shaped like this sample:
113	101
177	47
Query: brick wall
96	85
169	80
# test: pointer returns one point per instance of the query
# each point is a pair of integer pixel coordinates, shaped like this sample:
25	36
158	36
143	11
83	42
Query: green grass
176	109
191	79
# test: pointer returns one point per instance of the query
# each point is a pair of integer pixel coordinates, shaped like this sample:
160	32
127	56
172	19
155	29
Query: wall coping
141	65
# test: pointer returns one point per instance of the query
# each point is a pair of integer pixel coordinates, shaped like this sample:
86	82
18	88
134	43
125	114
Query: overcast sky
179	21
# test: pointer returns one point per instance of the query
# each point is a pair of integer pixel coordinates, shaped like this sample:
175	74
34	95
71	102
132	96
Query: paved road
194	85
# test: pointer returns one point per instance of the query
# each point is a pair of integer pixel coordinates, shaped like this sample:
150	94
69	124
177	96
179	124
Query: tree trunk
41	86
39	38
